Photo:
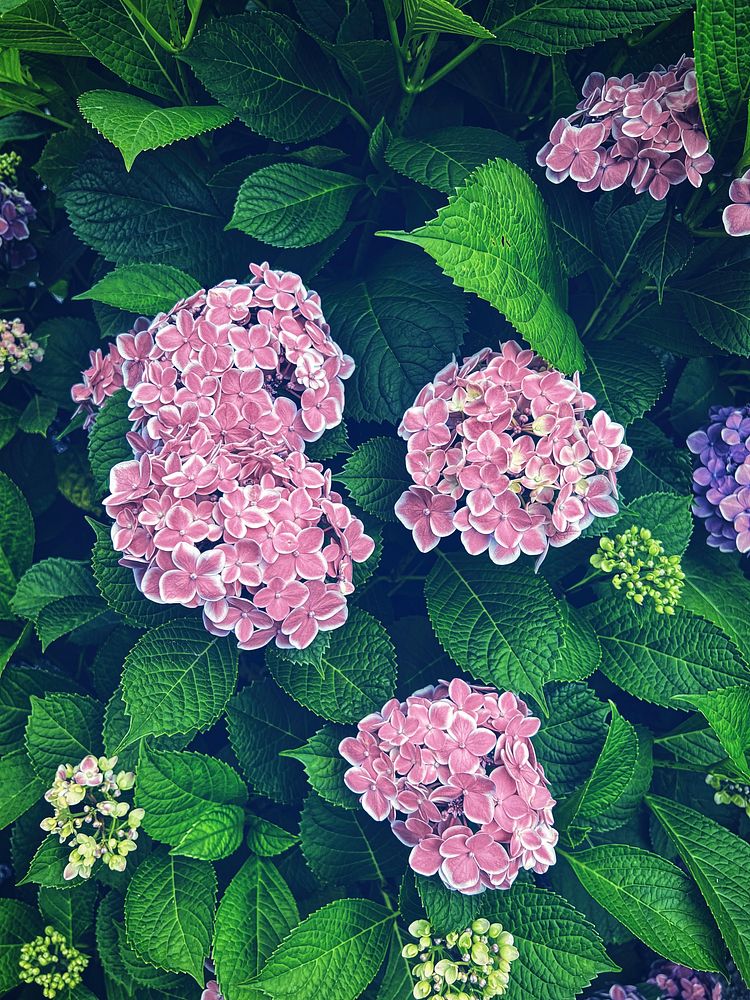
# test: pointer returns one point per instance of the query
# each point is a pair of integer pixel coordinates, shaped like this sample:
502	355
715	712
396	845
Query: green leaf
49	581
16	688
71	913
722	67
655	657
36	26
494	238
621	228
656	465
37	415
142	288
62	729
169	912
47	865
446	909
107	445
70	614
570	740
397	981
727	711
115	582
717	304
120	42
19	924
262	723
547	26
444	158
255	914
656	901
177	678
161	212
293	205
718	861
477	611
696	388
665	250
401	323
324	765
334	953
67	343
180	790
559	952
580	653
666	515
716	588
19	786
271	74
8	423
266	839
355	675
134	125
376	476
424	16
16	543
625	808
627	379
610	777
342	845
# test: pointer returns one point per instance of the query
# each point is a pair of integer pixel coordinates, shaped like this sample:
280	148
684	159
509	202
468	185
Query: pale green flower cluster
52	963
641	569
473	964
729	793
90	813
9	164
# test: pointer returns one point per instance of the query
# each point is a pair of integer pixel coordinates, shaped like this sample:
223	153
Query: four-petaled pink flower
196	576
428	515
736	216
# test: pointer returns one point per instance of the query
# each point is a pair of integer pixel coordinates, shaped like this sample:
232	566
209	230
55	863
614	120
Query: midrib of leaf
619	889
595	366
353	182
177	683
715	302
741	104
576	239
152	51
376	866
341	944
271	725
345	679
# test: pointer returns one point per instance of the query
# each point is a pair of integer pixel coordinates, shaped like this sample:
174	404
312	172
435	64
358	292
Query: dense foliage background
164	147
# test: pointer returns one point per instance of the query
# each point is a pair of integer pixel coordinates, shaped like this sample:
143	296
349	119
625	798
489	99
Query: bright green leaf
142	288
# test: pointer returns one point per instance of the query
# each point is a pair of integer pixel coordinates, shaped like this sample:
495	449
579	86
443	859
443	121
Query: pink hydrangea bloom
736	216
646	130
453	770
500	449
219	507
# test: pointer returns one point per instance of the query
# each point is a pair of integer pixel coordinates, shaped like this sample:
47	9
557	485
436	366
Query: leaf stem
193	23
398	50
417	76
148	26
450	65
46	117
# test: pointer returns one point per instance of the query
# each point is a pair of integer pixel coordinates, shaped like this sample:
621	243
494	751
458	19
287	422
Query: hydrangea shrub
374	500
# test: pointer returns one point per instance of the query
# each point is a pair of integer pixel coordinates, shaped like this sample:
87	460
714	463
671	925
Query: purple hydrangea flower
721	482
685	984
618	992
736	217
646	130
16	211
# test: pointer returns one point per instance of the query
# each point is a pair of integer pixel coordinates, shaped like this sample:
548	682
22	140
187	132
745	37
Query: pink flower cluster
220	508
506	436
458	762
647	130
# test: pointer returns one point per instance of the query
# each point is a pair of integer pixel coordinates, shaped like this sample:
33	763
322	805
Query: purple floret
721	482
16	212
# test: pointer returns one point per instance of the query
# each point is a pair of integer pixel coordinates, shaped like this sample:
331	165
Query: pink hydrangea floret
647	131
500	449
736	216
220	507
454	771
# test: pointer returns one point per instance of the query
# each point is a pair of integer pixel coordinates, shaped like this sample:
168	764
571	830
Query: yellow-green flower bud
421	990
420	928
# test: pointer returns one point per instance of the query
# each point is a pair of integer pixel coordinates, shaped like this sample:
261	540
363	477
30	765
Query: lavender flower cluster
507	435
677	982
16	212
646	130
17	349
458	762
721	483
220	508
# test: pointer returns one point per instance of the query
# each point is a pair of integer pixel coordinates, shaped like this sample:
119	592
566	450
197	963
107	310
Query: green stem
608	328
46	117
450	65
148	27
193	24
398	50
591	575
420	68
708	233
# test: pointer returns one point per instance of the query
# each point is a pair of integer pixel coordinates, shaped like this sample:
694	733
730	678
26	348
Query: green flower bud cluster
641	569
52	963
472	964
91	814
729	793
9	164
